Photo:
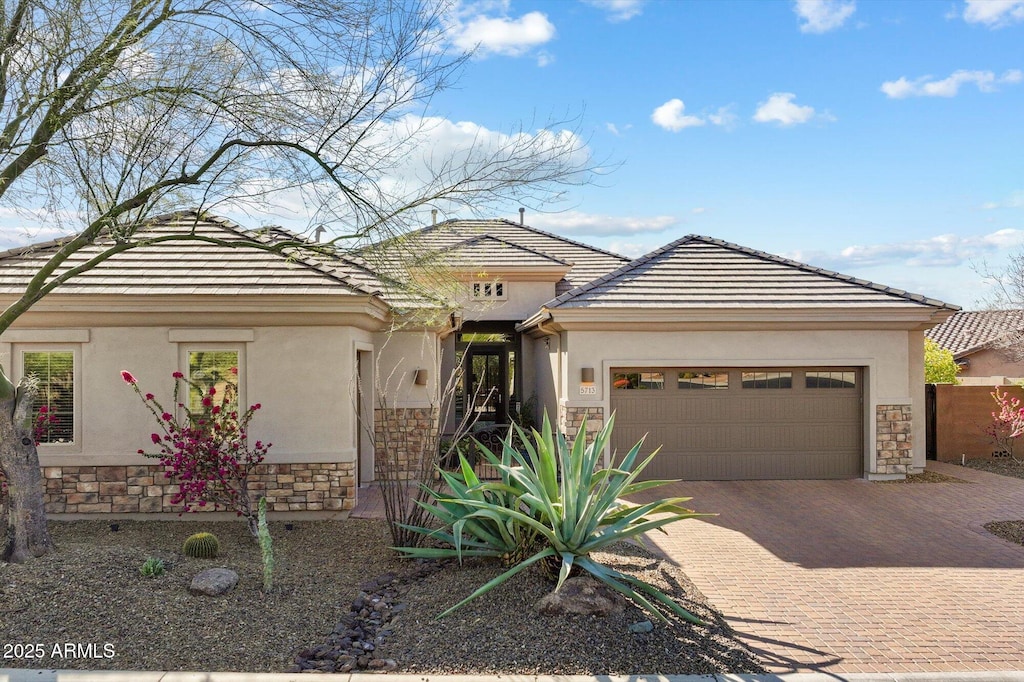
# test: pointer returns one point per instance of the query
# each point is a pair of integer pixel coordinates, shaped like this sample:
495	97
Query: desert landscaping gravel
91	595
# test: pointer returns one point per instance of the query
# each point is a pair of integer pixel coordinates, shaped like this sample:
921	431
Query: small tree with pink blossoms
1007	423
205	448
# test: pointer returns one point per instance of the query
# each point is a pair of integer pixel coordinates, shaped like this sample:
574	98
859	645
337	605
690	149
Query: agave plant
553	503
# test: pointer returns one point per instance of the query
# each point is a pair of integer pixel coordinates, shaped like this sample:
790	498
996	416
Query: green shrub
552	503
201	546
152	567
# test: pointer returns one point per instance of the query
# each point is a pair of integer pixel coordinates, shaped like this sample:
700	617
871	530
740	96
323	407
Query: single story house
740	364
974	338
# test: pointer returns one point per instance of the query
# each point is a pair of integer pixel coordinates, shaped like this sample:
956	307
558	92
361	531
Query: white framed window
216	366
57	409
489	291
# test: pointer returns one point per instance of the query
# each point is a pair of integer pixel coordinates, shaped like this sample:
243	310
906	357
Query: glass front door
487	384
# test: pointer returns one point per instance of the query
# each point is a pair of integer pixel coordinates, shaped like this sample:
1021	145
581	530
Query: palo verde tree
114	111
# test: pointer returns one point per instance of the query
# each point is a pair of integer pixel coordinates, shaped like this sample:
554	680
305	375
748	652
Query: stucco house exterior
973	336
739	363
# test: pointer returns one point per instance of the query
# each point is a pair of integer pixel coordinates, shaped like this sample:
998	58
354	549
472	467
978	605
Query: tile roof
188	267
488	251
588	262
701	272
971	330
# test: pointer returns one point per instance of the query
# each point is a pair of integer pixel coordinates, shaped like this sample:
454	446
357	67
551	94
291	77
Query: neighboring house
739	363
973	336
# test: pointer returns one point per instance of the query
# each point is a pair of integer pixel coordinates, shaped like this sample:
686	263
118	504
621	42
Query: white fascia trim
45	336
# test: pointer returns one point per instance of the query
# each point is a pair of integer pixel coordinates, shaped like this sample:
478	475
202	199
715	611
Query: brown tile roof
188	267
701	272
588	262
971	330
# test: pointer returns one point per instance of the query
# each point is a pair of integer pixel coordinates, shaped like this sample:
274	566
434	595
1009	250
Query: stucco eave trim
838	318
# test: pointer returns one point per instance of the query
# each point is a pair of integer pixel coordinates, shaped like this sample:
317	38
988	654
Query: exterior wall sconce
587	375
420	377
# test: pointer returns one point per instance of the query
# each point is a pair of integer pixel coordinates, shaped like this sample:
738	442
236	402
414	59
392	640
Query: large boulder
582	595
214	582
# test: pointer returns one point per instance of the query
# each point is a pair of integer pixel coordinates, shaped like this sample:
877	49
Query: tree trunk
26	533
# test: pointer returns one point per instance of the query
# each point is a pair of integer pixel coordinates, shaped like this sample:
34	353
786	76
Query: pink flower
149	396
178	375
234	370
166	416
216	409
127	376
207	402
213	391
155	437
257	406
43	409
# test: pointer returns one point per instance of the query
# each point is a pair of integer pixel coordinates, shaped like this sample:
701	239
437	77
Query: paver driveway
855	576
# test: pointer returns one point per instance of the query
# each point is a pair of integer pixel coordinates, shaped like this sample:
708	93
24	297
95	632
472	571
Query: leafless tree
1008	299
114	111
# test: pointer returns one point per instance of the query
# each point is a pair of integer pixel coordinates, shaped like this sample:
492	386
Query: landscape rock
641	627
584	596
214	582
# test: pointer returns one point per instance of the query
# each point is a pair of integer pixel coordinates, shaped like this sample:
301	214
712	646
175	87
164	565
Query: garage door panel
744	433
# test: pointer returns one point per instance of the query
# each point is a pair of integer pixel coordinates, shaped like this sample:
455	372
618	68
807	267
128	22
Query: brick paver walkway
854	576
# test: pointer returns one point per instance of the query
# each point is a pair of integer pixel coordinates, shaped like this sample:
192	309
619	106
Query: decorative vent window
688	380
830	379
638	380
767	380
489	291
55	402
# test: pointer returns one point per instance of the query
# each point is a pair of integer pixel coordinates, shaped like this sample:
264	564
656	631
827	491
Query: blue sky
881	139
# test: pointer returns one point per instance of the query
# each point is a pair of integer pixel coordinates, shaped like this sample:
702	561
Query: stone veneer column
894	439
403	436
572	418
316	486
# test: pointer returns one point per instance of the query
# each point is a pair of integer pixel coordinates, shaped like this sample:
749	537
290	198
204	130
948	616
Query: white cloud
618	10
927	86
671	116
781	109
822	16
630	249
698	210
940	251
501	35
994	13
599	225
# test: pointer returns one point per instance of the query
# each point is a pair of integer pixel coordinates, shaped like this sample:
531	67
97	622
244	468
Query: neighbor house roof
587	262
487	251
969	331
701	272
187	267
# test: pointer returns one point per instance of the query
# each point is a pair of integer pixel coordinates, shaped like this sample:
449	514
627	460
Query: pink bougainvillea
206	451
1007	423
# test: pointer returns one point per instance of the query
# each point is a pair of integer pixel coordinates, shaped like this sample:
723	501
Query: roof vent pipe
317	232
522	212
433	216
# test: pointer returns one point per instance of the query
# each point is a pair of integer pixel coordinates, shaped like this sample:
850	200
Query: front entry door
487	384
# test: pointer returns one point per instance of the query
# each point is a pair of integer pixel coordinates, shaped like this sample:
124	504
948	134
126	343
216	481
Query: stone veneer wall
402	435
326	486
894	439
572	418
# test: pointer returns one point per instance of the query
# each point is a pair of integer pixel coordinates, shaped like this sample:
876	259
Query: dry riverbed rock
214	582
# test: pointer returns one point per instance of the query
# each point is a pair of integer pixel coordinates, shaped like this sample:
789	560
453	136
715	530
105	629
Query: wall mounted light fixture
587	375
420	377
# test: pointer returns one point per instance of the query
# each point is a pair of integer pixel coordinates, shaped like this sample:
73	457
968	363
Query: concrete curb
28	675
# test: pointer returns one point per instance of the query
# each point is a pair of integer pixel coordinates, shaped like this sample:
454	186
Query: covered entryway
750	423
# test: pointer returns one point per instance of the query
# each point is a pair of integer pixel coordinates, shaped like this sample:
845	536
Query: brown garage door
728	424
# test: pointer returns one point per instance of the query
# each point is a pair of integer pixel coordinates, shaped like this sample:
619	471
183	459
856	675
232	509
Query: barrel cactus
201	546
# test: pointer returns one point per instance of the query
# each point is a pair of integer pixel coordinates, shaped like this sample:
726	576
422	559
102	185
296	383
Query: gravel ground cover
1004	466
924	477
91	594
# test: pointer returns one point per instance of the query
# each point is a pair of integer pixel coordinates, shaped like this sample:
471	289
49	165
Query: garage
729	423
